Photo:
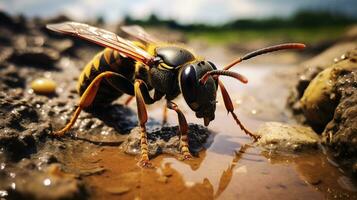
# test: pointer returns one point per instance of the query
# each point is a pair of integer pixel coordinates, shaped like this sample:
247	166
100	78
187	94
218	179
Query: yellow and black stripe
106	60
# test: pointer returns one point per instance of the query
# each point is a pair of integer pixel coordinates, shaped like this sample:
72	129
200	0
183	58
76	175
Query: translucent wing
104	38
139	33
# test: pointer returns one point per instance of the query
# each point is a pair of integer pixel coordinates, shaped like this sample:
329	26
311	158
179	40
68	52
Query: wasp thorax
174	56
164	81
201	98
169	59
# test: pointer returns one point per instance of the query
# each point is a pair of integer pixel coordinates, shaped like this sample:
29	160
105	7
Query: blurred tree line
302	19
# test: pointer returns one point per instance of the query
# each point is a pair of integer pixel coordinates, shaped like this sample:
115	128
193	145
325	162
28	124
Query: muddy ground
34	164
91	162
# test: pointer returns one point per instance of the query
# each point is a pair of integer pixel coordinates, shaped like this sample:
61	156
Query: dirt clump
325	98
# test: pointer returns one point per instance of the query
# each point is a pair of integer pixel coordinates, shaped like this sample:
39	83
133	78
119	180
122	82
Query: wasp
136	67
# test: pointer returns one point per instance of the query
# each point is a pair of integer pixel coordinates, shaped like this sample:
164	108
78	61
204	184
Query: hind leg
89	94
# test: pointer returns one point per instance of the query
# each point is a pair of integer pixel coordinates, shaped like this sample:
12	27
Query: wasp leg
91	91
230	108
183	130
143	117
143	97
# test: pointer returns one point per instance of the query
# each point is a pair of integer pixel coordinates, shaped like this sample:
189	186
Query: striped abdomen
106	60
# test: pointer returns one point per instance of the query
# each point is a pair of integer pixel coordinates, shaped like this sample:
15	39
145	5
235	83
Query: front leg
183	130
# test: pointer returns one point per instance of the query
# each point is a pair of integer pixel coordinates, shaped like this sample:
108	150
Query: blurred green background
211	21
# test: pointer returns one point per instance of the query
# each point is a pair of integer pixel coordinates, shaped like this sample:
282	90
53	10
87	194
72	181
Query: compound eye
189	85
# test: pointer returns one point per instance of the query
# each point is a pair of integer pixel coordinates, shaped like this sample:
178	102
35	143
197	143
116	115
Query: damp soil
90	162
231	166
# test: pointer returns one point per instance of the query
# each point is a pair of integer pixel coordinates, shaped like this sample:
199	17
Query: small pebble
43	86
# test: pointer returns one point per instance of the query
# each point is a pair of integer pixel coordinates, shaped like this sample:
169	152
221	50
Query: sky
184	11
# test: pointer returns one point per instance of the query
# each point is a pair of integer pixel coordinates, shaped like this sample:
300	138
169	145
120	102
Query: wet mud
98	158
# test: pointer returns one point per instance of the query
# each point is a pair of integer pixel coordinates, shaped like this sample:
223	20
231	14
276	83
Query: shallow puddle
230	167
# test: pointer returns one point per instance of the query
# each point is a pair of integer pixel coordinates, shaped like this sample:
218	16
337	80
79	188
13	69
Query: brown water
230	167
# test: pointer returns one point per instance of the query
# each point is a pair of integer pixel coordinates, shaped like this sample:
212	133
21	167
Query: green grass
310	35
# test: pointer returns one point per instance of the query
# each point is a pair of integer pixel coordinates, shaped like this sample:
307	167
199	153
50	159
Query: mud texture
33	163
340	133
166	140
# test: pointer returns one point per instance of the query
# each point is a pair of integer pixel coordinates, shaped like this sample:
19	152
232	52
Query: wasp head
201	98
199	82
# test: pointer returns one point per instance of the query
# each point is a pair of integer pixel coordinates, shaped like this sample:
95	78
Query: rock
320	99
332	95
286	138
308	70
329	104
340	133
43	86
166	140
